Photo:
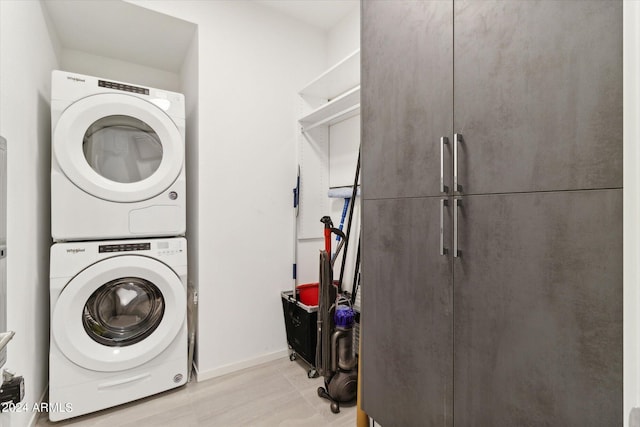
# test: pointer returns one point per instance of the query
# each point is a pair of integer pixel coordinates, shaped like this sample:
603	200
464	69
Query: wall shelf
343	76
341	108
330	98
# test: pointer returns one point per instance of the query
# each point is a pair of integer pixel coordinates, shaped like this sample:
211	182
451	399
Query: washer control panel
169	248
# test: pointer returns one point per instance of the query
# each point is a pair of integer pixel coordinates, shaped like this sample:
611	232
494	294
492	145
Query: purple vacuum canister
344	316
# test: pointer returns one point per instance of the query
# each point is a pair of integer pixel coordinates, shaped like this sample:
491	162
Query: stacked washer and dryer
118	277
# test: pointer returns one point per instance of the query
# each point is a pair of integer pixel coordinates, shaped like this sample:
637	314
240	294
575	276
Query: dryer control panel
124	247
124	87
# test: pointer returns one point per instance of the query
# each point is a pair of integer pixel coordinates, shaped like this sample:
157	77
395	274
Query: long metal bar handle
443	141
457	140
443	203
456	251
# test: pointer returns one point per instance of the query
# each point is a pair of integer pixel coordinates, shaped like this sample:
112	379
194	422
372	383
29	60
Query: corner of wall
29	52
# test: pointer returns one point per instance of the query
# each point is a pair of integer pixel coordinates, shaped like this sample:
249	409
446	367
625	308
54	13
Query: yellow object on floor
362	420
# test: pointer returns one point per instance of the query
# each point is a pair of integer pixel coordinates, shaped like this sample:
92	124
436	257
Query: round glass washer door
123	312
119	313
118	147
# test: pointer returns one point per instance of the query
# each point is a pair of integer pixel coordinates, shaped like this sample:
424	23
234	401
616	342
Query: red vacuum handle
328	229
328	224
327	240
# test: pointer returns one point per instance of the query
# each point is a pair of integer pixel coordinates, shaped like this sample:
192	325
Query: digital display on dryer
126	247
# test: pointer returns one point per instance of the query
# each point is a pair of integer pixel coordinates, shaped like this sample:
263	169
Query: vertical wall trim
631	43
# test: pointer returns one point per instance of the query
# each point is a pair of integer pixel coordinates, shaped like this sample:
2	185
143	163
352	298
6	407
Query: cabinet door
538	310
538	95
407	322
407	97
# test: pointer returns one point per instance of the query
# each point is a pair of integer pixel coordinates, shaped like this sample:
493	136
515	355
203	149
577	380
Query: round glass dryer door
118	147
122	148
119	313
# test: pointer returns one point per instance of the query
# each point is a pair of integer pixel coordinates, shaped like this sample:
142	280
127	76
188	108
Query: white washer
118	323
117	168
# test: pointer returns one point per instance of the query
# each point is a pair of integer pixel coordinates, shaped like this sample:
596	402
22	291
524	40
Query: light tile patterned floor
276	394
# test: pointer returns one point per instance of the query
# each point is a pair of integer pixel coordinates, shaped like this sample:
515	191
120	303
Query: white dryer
118	323
117	168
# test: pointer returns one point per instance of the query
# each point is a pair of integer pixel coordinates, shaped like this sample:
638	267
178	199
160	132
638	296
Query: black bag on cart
300	322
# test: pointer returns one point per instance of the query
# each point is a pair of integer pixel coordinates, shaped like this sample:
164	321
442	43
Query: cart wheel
335	408
312	373
292	356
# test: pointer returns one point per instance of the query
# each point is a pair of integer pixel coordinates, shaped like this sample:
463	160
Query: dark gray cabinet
538	310
538	95
409	308
519	321
408	68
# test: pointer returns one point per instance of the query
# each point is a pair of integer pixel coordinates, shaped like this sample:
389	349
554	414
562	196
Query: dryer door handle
129	380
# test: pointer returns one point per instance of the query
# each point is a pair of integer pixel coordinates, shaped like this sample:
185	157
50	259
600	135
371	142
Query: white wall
344	37
94	65
631	210
27	56
252	61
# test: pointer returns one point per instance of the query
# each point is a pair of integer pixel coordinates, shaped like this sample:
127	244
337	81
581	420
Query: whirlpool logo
75	79
75	250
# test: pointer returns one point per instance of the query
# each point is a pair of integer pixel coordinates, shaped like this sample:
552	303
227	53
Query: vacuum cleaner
335	355
341	381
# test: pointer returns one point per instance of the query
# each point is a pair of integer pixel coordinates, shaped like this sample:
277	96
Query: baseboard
238	366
